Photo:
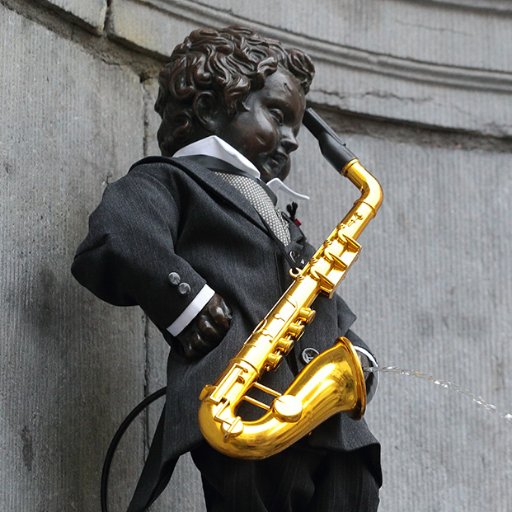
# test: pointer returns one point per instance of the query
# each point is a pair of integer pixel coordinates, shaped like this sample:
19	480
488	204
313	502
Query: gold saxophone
333	381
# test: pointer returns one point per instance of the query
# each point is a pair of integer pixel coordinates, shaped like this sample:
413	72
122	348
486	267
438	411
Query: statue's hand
207	329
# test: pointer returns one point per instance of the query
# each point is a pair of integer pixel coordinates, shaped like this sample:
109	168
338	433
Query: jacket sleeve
129	251
345	319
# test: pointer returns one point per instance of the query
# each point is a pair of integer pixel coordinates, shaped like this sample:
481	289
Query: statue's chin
273	168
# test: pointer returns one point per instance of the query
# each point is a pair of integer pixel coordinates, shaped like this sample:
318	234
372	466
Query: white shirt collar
218	148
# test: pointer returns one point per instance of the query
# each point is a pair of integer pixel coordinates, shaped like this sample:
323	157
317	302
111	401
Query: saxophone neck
347	164
331	146
371	191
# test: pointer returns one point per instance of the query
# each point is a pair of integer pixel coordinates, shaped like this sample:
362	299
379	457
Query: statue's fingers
220	313
208	330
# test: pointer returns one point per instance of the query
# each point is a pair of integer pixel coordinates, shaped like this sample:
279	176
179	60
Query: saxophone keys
336	261
284	345
326	285
233	429
273	360
206	392
295	273
306	315
295	329
350	244
287	408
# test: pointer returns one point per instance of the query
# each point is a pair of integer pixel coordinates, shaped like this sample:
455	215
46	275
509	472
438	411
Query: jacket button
174	278
308	354
184	288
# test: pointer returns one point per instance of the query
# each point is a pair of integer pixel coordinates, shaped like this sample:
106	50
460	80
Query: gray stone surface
72	367
433	292
411	61
90	13
432	288
147	26
422	31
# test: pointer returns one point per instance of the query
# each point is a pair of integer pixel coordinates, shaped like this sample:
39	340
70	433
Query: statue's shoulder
162	167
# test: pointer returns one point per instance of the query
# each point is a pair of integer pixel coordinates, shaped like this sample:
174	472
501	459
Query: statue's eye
277	114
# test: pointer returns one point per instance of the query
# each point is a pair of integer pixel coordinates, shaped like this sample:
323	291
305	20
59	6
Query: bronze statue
196	239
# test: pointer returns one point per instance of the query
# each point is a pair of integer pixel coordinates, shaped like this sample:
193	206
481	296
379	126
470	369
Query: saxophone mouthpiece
331	146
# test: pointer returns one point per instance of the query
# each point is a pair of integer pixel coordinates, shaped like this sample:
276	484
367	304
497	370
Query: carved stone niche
439	63
90	14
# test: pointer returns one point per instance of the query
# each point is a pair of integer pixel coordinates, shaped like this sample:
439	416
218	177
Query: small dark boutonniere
292	211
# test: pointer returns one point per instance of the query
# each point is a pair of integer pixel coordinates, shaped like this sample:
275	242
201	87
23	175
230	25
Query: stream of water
478	400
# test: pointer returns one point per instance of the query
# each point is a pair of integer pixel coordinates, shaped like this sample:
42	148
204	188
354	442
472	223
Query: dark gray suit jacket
176	215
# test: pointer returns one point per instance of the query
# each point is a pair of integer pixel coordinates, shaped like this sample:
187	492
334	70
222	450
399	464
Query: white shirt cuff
191	311
372	379
368	354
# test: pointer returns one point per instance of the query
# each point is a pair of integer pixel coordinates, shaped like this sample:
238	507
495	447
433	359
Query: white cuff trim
191	311
372	379
368	354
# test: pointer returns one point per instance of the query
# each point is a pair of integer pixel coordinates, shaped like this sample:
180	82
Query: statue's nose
289	141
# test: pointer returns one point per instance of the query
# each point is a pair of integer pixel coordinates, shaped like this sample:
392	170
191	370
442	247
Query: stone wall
421	92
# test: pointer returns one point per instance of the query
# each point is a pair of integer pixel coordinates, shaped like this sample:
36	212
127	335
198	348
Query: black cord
117	438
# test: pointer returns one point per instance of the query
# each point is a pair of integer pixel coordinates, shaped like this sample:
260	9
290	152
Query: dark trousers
299	479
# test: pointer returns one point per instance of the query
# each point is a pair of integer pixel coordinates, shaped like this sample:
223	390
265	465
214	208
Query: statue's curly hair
231	62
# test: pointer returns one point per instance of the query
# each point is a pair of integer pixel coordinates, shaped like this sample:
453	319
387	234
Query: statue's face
265	132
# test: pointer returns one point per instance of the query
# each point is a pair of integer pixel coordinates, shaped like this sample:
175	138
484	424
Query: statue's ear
209	112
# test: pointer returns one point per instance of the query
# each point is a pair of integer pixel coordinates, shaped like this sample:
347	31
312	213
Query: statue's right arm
129	253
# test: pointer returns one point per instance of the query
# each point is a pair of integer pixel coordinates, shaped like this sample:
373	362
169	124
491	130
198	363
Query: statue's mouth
278	161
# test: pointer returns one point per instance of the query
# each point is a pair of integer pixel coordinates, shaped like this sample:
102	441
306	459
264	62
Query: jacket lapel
296	234
202	169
